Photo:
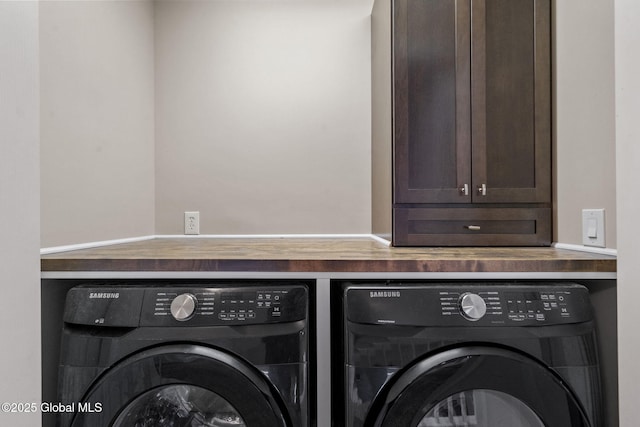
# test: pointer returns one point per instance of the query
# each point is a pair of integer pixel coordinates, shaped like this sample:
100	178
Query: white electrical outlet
192	223
593	227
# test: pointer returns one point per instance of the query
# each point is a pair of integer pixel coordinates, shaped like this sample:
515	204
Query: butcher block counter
290	255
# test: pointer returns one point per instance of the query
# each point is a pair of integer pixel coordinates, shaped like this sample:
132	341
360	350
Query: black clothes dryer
186	355
481	355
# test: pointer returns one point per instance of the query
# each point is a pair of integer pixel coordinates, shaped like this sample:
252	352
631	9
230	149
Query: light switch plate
593	227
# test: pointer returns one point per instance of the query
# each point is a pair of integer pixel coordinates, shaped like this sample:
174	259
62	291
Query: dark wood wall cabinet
461	122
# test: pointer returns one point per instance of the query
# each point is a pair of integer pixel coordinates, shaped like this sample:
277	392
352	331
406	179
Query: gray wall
627	47
254	113
19	210
97	120
263	116
584	116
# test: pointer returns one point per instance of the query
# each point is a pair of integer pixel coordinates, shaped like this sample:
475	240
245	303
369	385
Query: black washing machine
482	355
186	355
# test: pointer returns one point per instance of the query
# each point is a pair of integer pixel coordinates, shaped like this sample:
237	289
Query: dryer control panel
469	304
131	306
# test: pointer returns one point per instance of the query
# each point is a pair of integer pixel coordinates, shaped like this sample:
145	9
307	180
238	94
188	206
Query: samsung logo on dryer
384	294
104	295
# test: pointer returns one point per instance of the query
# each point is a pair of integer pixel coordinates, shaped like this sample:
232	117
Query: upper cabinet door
432	101
511	97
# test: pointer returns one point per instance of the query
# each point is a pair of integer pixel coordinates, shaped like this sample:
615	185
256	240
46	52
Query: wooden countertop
317	255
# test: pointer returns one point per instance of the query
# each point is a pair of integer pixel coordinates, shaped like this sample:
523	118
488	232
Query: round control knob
183	306
472	306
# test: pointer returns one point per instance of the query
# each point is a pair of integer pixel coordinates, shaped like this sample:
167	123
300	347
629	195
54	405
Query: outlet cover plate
593	227
192	223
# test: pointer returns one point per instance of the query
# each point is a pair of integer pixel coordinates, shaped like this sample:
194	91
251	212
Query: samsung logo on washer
104	295
384	294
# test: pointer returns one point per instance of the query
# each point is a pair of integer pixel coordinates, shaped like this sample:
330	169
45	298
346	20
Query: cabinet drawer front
472	227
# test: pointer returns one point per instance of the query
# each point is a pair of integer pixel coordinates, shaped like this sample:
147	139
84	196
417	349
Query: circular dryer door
180	386
479	387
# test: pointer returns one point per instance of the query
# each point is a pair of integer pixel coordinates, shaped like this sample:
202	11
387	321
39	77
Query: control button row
551	297
528	316
238	301
268	297
267	304
236	316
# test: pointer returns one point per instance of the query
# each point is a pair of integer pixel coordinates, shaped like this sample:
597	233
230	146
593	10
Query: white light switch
593	227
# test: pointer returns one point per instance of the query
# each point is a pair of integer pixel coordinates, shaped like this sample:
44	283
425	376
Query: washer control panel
508	305
133	306
229	306
470	304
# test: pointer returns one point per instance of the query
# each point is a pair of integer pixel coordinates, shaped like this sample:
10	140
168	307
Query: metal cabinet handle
473	227
482	189
464	190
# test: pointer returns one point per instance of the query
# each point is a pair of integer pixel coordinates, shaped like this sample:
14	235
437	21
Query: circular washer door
180	386
479	387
